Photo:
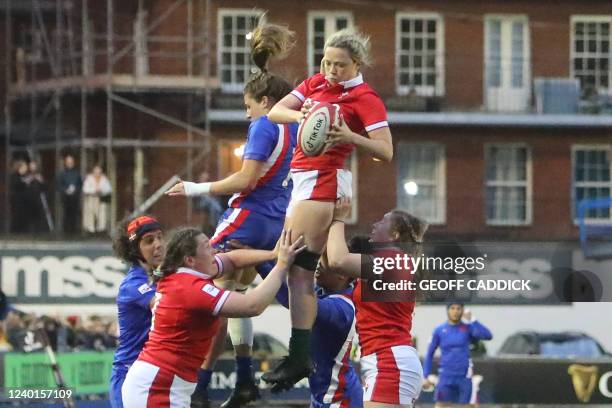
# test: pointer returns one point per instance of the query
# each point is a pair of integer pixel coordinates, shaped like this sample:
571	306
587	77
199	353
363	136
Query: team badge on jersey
210	289
144	288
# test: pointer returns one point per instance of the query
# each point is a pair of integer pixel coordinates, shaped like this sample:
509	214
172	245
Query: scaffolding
77	49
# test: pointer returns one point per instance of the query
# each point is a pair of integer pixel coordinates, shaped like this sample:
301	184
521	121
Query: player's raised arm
339	258
244	179
255	301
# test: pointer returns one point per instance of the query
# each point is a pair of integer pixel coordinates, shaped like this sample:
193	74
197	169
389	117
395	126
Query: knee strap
307	260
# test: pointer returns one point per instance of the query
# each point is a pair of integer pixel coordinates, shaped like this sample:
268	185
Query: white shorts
148	386
320	185
392	376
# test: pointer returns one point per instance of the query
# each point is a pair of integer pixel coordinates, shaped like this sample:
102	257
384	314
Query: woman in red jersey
318	181
186	314
390	367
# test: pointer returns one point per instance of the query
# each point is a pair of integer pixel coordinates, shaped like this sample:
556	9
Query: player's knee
307	260
241	331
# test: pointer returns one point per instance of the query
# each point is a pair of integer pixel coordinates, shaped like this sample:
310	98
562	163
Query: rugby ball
312	132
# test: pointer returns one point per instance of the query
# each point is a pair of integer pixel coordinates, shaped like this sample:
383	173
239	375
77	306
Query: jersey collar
193	272
351	83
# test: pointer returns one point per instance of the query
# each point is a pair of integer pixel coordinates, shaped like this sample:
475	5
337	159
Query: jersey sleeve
207	297
433	345
335	311
304	89
479	331
138	292
372	112
262	138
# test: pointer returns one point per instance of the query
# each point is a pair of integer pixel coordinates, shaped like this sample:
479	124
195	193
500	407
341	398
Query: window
322	24
421	182
508	184
234	52
591	52
591	179
507	63
419	54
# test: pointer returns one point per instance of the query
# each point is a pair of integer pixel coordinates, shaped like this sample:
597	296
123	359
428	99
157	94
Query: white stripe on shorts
138	381
226	222
411	373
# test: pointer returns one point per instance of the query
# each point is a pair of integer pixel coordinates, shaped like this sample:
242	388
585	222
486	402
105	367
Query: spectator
455	367
37	199
97	192
19	197
209	206
69	185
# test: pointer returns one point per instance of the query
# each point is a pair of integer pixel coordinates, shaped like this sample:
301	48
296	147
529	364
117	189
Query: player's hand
177	190
339	134
287	250
467	315
427	385
342	209
306	107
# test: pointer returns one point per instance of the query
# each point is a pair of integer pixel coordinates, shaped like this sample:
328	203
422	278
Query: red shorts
392	376
320	185
148	386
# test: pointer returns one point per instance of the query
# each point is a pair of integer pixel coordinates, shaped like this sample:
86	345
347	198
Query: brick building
500	111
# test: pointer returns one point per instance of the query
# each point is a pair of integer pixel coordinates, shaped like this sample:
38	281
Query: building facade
500	111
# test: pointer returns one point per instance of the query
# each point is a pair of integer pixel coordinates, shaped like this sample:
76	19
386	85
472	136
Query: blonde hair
354	42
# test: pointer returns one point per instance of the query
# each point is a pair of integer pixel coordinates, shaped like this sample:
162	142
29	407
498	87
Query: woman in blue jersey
140	243
262	189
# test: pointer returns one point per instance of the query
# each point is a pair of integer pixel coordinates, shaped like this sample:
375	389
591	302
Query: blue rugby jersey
272	144
334	379
134	316
454	342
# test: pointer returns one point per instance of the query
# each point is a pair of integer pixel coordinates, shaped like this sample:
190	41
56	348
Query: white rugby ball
312	132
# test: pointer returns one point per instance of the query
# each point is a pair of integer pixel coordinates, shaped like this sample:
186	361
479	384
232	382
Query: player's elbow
387	154
254	307
336	265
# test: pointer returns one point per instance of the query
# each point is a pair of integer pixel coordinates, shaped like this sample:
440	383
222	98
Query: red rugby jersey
360	105
185	320
382	325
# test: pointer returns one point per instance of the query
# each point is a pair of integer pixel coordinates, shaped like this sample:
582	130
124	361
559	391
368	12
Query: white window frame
440	182
492	103
527	184
579	18
439	88
575	184
330	17
221	13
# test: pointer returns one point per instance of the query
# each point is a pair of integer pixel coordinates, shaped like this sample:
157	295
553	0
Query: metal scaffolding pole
110	167
159	115
7	114
84	48
57	103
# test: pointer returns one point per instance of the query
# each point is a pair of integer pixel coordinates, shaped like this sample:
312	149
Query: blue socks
204	377
244	372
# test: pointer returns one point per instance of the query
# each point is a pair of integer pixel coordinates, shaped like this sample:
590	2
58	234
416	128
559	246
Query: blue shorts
457	389
116	382
250	228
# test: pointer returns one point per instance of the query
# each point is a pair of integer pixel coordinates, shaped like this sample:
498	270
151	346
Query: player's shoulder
263	125
135	277
364	90
316	80
440	328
